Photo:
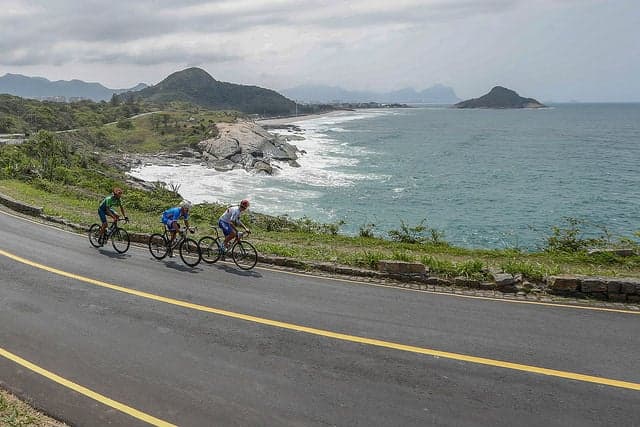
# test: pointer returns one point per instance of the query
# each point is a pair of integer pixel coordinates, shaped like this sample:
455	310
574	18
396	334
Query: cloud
360	44
66	31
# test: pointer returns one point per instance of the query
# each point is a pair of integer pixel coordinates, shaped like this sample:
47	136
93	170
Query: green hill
500	97
20	115
196	86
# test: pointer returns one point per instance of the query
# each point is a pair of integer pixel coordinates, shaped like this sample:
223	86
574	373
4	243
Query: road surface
96	338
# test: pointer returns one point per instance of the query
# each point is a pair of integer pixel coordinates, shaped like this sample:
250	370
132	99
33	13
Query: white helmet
185	204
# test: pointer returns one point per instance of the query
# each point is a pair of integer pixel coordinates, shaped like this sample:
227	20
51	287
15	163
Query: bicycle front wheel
209	249
158	246
189	252
120	240
244	255
94	235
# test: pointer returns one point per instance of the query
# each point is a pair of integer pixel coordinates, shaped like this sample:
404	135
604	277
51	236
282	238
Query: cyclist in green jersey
106	208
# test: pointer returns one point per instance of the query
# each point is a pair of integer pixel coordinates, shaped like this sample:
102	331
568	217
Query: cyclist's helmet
244	204
117	191
186	205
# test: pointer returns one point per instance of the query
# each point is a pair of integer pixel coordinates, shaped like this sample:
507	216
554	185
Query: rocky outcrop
500	97
246	145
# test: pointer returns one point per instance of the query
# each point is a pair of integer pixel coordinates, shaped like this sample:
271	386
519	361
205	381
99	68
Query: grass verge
16	413
305	240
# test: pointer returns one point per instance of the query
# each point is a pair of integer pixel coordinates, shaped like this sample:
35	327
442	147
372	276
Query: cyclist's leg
228	232
174	226
102	213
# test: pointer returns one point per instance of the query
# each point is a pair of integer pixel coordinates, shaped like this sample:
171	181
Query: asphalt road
96	338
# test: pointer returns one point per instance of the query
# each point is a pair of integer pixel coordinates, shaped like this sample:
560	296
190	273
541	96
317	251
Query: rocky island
500	97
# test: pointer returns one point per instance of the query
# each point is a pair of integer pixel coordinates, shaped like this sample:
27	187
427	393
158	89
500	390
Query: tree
49	153
6	124
115	100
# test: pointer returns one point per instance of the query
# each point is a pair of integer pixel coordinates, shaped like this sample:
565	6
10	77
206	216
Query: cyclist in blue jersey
106	208
171	216
230	219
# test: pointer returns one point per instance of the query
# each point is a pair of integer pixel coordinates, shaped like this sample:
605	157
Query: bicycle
243	253
119	236
160	246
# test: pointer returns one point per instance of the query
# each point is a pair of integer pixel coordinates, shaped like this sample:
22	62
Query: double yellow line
289	326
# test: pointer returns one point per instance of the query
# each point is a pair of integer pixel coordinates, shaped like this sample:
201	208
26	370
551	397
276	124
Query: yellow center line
85	391
402	289
337	335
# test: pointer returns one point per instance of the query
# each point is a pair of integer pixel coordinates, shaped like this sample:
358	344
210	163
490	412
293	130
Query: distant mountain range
41	88
196	86
437	94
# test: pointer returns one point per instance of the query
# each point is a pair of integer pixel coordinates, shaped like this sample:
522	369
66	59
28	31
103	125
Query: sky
551	50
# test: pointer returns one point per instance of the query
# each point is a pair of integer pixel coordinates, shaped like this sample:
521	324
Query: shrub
443	267
371	258
571	238
472	269
125	124
402	256
418	234
535	272
366	230
273	223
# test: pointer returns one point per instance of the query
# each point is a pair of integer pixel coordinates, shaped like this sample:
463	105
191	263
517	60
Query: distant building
54	98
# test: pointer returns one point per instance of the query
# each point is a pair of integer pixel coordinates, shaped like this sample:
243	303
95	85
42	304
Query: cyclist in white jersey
230	219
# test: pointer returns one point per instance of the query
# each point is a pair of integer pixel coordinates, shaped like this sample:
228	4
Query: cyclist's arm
238	222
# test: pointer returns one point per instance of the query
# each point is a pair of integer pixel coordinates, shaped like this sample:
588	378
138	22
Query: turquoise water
486	178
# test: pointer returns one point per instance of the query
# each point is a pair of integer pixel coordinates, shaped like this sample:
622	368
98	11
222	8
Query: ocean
485	178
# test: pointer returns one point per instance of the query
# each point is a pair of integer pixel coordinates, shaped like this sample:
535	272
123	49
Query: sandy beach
282	121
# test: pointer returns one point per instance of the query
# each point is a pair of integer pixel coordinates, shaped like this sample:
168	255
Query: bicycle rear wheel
189	252
158	246
244	255
209	249
120	240
94	235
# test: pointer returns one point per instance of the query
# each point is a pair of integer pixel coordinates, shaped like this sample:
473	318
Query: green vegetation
19	115
65	174
15	413
197	87
178	126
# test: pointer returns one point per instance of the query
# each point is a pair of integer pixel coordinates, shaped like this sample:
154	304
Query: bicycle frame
121	244
182	232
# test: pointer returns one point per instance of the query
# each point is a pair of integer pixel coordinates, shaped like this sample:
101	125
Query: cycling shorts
226	227
169	223
102	213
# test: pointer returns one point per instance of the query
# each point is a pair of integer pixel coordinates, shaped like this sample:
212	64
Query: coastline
284	121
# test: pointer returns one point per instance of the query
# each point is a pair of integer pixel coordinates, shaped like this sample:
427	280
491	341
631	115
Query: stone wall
19	206
617	289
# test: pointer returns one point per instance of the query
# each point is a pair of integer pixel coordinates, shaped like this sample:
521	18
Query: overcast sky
552	50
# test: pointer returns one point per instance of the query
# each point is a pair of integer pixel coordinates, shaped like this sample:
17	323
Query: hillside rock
500	97
246	145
